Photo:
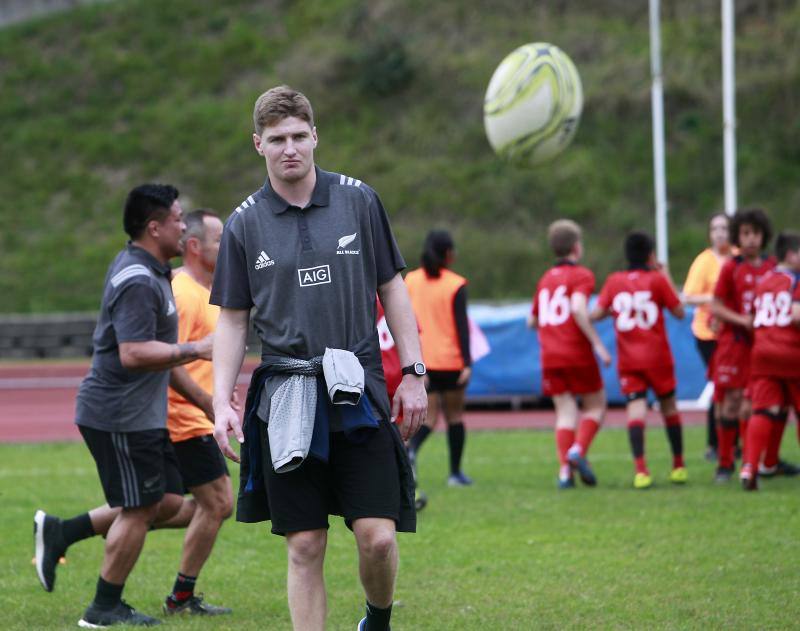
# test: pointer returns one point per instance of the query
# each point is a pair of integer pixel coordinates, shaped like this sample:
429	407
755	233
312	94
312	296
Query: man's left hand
410	405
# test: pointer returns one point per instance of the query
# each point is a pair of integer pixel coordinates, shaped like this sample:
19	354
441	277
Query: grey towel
344	376
292	408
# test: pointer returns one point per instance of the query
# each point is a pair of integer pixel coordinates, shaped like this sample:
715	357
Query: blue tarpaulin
513	368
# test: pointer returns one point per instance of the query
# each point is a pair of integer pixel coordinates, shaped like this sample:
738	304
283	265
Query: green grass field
510	553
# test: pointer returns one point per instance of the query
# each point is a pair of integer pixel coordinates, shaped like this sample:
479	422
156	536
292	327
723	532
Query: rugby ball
533	104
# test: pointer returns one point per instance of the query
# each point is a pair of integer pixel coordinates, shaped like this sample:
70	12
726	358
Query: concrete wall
65	335
12	11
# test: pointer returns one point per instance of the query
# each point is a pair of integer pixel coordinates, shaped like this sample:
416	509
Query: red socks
726	441
759	430
636	438
564	440
675	437
587	429
774	444
743	434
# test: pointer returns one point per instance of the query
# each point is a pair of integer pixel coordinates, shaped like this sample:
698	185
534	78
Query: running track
37	404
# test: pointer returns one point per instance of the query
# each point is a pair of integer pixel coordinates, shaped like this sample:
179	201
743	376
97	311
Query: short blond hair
562	235
278	103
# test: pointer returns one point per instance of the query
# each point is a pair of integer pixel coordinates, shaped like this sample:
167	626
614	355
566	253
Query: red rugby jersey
389	355
635	299
776	349
562	342
736	287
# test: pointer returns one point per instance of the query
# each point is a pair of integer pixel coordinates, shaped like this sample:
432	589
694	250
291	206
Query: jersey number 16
554	309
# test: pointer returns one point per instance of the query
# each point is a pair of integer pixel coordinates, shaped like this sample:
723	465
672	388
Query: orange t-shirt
701	279
196	319
432	300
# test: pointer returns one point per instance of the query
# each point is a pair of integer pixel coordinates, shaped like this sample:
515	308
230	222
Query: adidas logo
263	260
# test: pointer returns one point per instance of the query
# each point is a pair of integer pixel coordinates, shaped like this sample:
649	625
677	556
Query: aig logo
319	275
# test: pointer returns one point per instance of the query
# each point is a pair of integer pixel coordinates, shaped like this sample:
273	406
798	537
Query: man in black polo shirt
309	251
122	407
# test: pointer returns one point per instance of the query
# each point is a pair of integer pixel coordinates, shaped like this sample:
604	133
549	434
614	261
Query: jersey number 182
773	309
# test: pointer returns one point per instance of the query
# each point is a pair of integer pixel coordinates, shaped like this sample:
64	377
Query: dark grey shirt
137	306
311	273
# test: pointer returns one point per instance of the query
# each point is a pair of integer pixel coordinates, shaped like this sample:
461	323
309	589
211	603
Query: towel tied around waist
297	417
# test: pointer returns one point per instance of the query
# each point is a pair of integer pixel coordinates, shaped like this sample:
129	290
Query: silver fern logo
344	242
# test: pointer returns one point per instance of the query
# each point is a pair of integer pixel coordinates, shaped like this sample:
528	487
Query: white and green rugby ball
533	104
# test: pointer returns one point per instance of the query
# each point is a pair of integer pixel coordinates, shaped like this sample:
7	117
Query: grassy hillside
98	99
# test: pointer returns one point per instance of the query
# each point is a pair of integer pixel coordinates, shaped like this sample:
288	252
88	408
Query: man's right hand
227	420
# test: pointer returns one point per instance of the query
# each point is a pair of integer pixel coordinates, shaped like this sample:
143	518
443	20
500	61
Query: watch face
419	368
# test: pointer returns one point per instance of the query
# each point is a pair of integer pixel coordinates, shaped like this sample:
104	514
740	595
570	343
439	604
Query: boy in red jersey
392	372
774	368
733	305
568	339
635	298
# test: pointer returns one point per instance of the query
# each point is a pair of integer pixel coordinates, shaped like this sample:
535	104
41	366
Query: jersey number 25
635	310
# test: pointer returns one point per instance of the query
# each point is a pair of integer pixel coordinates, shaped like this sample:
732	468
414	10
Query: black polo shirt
311	273
137	306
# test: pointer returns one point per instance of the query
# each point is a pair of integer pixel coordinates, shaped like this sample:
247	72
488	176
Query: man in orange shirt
200	461
698	290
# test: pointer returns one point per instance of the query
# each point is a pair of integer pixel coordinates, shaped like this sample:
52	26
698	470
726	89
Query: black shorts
199	460
136	468
443	380
360	480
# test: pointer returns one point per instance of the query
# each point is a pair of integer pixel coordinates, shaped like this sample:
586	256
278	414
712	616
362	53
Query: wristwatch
417	368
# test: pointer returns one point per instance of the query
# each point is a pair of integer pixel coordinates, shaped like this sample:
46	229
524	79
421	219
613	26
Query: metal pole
657	98
729	105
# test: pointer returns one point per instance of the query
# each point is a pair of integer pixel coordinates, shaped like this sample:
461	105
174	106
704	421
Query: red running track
37	404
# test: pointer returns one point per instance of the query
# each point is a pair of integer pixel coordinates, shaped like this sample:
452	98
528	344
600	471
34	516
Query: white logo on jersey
319	275
170	308
263	260
345	241
384	335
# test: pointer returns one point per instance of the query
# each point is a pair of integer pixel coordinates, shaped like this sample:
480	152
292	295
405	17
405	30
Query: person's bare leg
566	420
453	405
453	408
415	444
214	502
103	516
124	541
181	519
434	404
377	558
566	411
305	580
595	405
